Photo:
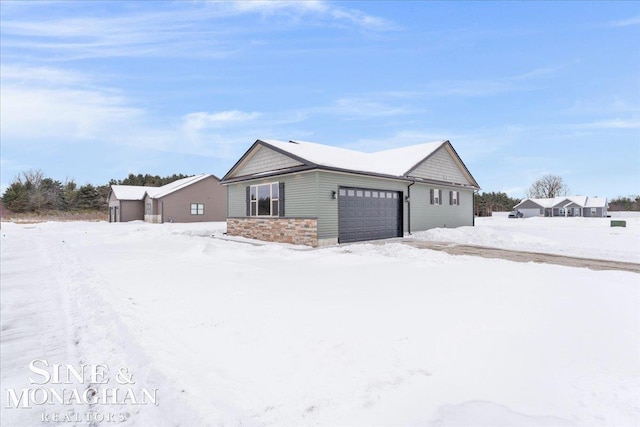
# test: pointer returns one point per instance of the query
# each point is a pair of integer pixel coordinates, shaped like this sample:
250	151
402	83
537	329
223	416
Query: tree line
33	192
487	203
631	203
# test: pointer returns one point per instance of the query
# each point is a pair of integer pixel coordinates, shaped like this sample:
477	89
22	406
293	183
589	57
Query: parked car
515	214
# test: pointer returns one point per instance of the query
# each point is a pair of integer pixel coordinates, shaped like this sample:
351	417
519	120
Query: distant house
194	199
567	206
313	194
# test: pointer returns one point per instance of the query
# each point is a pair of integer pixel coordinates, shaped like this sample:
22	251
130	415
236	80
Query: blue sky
97	90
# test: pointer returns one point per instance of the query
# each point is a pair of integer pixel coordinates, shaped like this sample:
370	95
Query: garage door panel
366	214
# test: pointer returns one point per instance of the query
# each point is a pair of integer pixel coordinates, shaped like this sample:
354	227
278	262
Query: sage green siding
300	192
424	215
309	195
328	207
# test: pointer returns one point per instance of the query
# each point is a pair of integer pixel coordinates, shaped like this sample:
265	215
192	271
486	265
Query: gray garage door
367	214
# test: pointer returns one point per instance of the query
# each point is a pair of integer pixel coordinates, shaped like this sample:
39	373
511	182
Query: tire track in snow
35	318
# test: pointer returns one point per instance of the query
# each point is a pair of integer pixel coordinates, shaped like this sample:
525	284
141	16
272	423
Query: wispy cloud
54	107
626	22
276	6
204	29
539	73
202	120
472	144
610	124
319	9
364	107
522	82
43	102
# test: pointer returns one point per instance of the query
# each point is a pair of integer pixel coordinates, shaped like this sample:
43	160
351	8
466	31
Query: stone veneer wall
299	231
155	219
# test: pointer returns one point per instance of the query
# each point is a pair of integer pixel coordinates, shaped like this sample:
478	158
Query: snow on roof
137	192
129	192
596	202
544	203
157	192
395	162
564	201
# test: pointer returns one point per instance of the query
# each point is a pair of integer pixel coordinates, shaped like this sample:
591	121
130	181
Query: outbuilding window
454	198
265	199
197	208
147	209
435	196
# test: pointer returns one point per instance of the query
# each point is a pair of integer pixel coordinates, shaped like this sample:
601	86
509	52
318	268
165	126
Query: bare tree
33	180
548	186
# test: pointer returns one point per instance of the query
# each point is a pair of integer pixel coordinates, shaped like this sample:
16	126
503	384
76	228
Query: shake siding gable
441	166
264	160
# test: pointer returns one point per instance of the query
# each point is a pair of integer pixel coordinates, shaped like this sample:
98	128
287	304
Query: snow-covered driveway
235	334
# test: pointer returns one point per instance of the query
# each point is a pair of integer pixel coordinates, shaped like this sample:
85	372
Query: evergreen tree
16	197
487	203
88	198
69	196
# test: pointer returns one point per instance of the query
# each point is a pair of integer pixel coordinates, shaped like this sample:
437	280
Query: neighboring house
566	206
194	199
313	194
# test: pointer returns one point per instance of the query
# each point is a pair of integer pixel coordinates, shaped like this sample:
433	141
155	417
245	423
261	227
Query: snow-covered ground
579	237
362	335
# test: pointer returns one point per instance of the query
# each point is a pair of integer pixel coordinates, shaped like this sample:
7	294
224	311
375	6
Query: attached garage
368	214
335	195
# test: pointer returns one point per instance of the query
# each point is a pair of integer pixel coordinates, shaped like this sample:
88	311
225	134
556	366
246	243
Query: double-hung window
147	209
435	196
264	199
197	208
454	198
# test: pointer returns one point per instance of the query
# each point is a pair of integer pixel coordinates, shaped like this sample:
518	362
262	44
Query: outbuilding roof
138	192
157	192
129	192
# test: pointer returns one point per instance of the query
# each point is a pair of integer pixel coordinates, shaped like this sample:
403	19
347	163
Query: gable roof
596	202
157	192
566	201
129	192
138	192
397	162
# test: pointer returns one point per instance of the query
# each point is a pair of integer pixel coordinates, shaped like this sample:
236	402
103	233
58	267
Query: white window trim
198	211
271	199
436	197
